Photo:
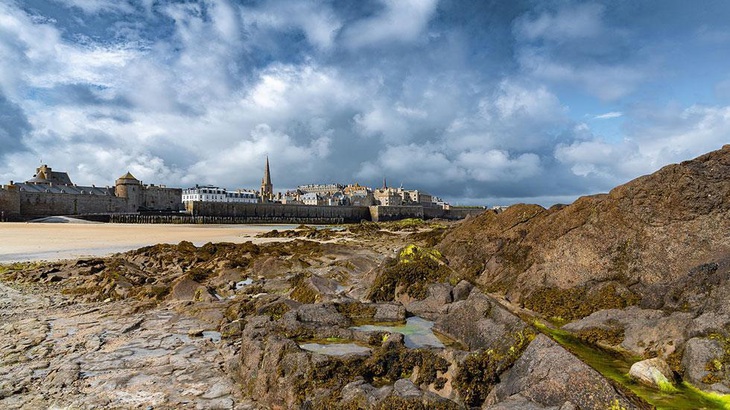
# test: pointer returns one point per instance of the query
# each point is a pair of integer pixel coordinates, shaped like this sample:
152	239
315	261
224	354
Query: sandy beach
21	242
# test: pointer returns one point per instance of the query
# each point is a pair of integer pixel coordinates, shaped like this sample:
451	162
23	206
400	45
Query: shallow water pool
417	332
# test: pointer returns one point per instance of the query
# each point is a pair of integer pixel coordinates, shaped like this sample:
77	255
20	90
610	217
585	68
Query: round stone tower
129	187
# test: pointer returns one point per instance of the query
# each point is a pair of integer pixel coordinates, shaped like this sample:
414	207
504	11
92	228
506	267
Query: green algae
414	270
480	371
615	366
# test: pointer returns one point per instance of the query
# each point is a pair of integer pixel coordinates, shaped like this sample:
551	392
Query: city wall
9	203
46	204
161	198
258	213
392	213
453	213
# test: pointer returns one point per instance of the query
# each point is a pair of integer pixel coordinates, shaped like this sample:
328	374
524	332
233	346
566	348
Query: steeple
267	174
385	183
267	189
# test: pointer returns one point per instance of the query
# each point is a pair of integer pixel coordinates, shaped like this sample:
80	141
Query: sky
479	102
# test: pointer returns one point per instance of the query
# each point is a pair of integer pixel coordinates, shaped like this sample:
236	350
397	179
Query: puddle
335	349
214	336
416	331
243	283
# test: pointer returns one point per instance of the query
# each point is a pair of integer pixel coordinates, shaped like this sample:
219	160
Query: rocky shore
616	301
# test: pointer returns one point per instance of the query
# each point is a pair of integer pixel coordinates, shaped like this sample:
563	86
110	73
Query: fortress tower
267	189
129	187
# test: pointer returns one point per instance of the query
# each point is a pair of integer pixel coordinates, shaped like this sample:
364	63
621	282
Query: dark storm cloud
14	126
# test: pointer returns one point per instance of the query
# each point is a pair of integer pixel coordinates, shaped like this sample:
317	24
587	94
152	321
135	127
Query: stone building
386	196
313	198
359	195
51	193
323	189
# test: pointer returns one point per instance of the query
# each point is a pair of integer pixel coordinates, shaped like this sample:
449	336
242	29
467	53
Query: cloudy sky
479	102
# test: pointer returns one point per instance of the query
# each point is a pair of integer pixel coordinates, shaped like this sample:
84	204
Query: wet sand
21	242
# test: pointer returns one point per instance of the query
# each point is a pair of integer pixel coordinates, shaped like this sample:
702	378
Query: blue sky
479	102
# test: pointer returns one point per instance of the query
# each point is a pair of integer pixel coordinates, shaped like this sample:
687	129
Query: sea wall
392	213
47	204
222	212
9	202
162	198
275	213
453	213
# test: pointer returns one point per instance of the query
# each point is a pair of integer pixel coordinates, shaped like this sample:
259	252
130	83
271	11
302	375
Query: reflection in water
417	332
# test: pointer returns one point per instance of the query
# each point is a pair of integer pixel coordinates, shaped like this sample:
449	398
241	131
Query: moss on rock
479	372
575	303
613	336
414	270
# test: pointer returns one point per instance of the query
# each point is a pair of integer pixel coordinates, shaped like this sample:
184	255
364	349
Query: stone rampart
226	212
47	204
454	213
9	202
258	213
162	198
380	213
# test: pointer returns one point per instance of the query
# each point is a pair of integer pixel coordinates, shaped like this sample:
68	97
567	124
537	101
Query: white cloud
674	134
575	45
246	157
430	165
514	117
318	22
657	137
608	82
498	165
609	115
534	104
614	162
568	23
97	6
401	21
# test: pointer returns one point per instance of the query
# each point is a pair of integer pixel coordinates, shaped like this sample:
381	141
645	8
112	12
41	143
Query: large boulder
439	295
643	332
549	375
322	314
479	322
705	364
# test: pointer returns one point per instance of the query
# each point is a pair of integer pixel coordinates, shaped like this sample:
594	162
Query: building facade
210	193
51	193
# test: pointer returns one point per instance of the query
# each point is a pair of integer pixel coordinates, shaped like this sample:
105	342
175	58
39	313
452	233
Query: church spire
267	189
267	173
385	183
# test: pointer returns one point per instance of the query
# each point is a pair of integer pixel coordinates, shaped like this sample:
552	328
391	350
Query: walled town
51	193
